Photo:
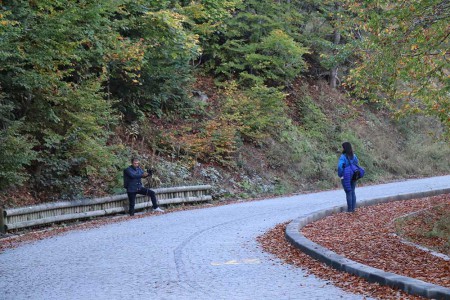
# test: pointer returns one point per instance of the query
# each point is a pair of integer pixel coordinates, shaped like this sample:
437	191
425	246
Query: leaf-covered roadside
274	242
366	236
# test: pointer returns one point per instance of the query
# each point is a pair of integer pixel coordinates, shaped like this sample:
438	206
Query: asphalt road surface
209	253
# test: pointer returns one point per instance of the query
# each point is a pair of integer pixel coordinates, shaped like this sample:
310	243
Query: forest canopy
72	72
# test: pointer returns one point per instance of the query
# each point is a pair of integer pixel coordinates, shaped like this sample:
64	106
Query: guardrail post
2	220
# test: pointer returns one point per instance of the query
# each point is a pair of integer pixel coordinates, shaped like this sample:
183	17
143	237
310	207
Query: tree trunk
333	77
334	70
337	39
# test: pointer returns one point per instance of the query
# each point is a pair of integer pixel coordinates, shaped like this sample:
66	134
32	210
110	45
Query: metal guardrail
48	213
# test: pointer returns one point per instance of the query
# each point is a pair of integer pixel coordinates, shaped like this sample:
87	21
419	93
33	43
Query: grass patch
429	228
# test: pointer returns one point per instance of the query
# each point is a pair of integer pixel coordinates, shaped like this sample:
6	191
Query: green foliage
269	41
313	119
278	59
257	112
169	36
15	149
424	146
259	48
15	155
324	32
163	74
51	70
207	17
404	57
71	71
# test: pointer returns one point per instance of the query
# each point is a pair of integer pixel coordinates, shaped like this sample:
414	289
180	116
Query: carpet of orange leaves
366	236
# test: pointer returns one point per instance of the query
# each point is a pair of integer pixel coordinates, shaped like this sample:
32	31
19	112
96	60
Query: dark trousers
141	191
350	197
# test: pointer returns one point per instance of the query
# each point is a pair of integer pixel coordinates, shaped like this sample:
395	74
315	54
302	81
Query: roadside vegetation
253	97
429	228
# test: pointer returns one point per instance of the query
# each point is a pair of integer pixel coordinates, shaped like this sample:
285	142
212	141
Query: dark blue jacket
132	179
345	170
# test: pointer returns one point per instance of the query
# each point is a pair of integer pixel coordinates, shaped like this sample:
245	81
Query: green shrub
257	112
15	155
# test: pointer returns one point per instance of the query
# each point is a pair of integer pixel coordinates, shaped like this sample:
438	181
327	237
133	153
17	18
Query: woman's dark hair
347	149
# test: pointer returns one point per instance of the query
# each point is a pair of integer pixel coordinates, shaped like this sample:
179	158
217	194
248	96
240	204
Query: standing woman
345	173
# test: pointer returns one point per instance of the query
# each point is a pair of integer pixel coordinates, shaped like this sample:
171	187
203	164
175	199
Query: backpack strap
349	162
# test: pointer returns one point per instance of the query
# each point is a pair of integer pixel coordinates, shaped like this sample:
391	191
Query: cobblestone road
199	254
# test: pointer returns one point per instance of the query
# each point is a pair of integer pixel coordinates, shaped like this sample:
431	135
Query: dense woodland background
252	96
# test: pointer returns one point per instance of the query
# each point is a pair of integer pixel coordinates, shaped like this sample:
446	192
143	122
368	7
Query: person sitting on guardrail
132	179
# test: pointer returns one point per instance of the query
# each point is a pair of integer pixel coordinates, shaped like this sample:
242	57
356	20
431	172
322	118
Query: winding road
209	253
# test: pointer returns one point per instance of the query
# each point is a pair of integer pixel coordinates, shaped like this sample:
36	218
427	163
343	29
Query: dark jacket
132	179
345	170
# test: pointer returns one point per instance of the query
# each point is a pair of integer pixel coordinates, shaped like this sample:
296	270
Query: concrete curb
407	284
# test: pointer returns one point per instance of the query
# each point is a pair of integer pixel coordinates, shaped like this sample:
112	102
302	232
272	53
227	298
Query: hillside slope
297	156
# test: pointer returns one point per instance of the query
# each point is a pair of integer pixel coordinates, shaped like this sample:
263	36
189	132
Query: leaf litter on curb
366	236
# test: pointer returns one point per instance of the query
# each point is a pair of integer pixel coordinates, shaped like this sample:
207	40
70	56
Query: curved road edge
407	284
